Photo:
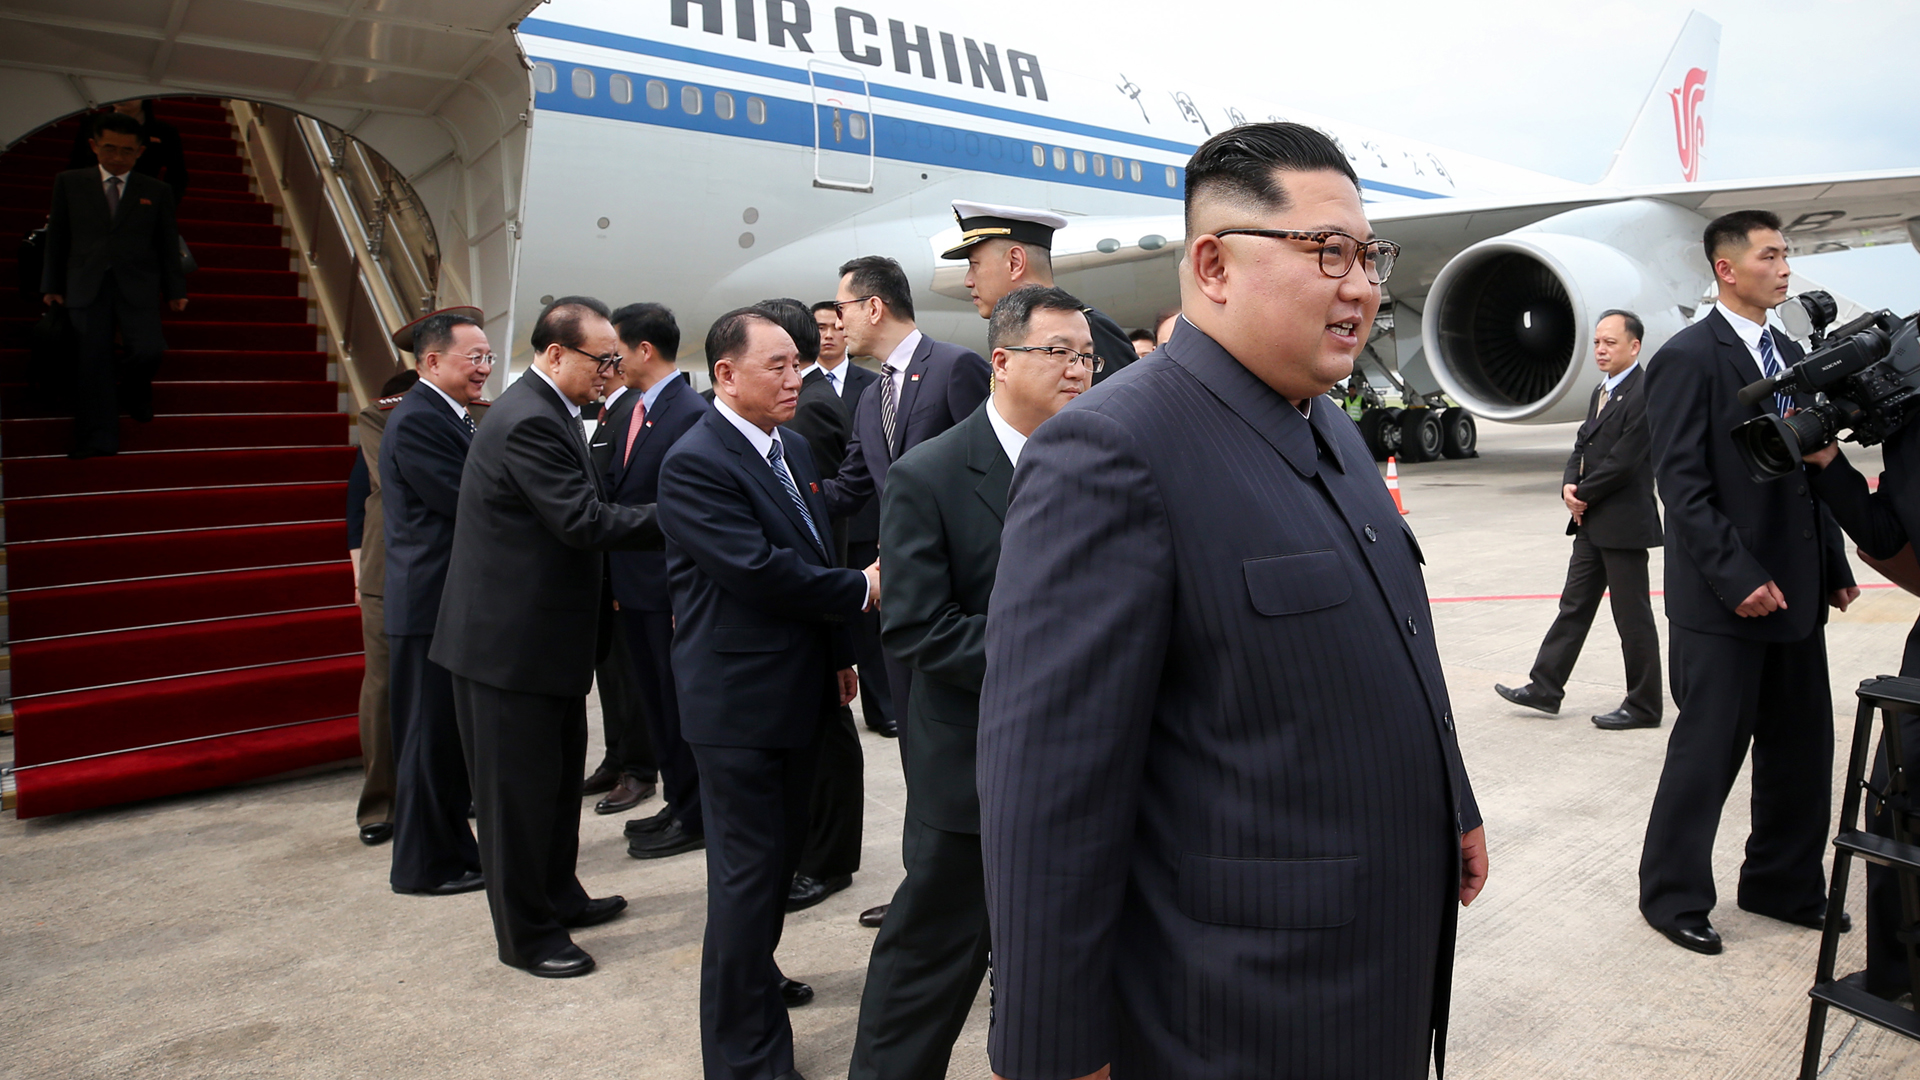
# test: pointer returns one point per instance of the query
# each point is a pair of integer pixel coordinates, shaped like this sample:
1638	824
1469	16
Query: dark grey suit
520	628
940	523
1210	850
1737	681
860	535
1613	473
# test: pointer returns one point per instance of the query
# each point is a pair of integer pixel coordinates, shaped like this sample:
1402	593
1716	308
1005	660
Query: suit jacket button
1802	490
1447	721
1371	535
1806	534
1413	627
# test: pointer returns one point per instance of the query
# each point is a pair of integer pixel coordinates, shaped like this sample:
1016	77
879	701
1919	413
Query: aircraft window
1099	165
620	89
1039	157
582	83
973	145
1133	171
657	94
545	79
1119	168
1079	161
690	100
857	126
723	104
1172	176
756	111
1059	159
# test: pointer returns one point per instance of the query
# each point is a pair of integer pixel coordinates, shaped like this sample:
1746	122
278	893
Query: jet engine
1508	323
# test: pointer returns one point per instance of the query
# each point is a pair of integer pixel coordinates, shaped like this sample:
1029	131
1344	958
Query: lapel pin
814	486
146	202
915	377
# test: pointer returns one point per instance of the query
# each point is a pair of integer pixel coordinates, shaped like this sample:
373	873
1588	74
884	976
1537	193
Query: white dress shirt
1010	440
836	376
763	442
564	399
1748	332
900	357
459	410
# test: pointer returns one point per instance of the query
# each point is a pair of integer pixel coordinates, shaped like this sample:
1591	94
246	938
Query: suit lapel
909	389
986	457
572	425
1256	403
761	470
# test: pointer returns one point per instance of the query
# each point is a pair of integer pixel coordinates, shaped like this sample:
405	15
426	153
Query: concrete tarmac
247	933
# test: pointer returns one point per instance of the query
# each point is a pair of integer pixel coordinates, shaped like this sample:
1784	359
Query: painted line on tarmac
1556	596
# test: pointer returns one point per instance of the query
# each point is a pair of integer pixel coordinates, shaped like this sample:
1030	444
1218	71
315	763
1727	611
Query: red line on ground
1556	596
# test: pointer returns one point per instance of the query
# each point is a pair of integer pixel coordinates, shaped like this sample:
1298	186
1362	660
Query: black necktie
113	195
793	490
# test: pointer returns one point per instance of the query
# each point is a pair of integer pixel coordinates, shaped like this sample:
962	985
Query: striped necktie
793	490
889	402
1770	367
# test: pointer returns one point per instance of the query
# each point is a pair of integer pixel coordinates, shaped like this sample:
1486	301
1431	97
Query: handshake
873	585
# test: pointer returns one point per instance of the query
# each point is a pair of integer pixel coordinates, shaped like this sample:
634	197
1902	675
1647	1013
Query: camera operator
1882	522
1750	570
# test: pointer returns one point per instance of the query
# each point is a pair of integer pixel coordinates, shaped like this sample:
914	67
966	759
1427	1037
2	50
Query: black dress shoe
471	881
672	840
1529	697
377	833
872	917
1811	922
1621	720
596	912
808	891
1700	939
600	781
795	993
886	729
142	414
630	792
653	824
80	453
569	961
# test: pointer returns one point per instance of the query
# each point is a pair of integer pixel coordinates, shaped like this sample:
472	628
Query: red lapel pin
915	377
814	486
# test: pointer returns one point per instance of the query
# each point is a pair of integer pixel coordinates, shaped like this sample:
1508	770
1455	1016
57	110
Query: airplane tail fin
1668	140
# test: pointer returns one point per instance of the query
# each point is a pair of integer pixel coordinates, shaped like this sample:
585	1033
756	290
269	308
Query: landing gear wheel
1389	444
1372	421
1460	435
1420	435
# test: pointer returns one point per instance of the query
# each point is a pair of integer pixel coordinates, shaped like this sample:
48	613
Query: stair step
203	365
125	656
125	558
87	609
31	477
64	517
36	196
1866	1006
186	331
202	306
206	281
1880	849
194	766
183	398
64	726
23	166
39	438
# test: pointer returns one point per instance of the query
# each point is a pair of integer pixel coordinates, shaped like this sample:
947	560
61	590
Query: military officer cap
403	337
982	221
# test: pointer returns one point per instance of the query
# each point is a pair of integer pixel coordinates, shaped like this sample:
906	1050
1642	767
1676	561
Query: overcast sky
1803	86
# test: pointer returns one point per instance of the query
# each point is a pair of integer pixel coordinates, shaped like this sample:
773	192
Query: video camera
1865	378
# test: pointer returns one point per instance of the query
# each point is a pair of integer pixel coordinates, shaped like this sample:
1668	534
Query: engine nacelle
1508	324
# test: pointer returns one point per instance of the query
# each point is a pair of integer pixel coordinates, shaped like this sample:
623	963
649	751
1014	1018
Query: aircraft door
842	127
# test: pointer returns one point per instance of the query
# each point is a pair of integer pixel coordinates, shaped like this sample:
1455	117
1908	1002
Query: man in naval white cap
1007	247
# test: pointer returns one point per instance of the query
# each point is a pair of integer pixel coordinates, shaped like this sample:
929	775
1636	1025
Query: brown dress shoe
600	780
627	794
871	917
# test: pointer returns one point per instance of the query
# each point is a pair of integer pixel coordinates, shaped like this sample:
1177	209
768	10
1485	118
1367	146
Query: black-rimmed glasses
839	304
1063	356
1338	250
603	364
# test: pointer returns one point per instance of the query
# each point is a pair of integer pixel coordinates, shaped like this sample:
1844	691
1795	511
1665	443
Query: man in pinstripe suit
1190	549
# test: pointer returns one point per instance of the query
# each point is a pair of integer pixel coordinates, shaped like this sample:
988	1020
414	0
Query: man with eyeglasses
1204	855
522	620
1008	247
422	454
940	523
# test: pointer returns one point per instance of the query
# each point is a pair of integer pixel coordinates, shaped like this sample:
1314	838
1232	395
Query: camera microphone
1755	393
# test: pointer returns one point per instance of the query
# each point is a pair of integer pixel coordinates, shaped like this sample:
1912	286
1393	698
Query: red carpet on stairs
180	616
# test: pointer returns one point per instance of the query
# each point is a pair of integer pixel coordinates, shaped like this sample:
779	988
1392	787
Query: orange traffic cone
1393	485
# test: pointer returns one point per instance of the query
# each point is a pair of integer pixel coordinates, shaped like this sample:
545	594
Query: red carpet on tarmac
180	616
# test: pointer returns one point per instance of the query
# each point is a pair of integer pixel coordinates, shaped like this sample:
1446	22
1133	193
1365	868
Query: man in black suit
1209	852
1608	489
422	455
663	406
941	524
1751	570
1007	247
762	660
521	623
836	813
113	256
162	154
859	534
628	773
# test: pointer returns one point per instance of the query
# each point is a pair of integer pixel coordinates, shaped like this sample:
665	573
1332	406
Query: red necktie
636	422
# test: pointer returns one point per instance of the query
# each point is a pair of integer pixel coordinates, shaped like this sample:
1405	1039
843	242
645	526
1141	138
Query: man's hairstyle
792	316
1008	324
1634	326
824	305
1239	163
877	275
401	382
435	333
651	323
117	122
1732	230
728	335
559	322
1142	334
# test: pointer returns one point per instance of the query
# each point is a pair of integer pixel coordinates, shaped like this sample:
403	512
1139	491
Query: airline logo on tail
1689	129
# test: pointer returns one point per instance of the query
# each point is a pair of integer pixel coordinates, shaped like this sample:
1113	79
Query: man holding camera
1750	570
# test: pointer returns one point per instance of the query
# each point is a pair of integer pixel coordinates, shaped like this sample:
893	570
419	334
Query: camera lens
1769	446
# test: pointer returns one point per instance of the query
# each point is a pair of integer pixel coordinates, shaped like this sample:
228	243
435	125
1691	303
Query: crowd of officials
1130	791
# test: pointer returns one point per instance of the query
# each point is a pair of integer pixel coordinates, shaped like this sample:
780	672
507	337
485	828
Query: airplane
706	154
